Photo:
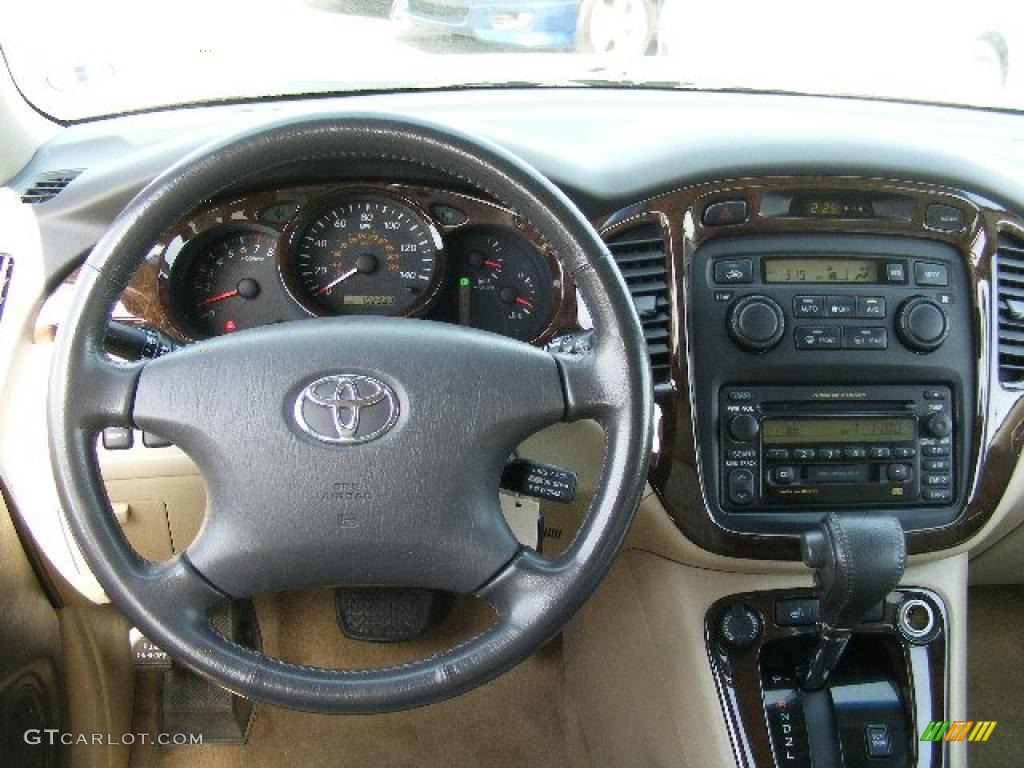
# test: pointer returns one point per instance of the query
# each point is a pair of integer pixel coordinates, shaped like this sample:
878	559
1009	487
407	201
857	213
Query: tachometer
365	255
223	287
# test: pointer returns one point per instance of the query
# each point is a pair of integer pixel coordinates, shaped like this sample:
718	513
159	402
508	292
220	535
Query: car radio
787	447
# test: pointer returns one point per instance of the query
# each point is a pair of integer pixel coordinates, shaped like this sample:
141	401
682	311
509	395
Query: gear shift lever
857	560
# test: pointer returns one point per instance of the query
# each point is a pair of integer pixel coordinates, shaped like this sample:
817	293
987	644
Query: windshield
75	60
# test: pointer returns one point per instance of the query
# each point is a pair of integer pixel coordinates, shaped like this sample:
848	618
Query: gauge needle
218	297
339	279
523	302
489	263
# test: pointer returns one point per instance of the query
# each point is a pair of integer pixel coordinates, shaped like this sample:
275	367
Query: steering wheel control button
346	408
542	481
930	274
154	441
741	486
743	428
922	324
118	438
739	627
734	271
818	337
944	218
808	306
841	306
725	212
895	272
756	323
865	338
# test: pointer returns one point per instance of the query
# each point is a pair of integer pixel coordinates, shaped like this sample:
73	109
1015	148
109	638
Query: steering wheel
439	409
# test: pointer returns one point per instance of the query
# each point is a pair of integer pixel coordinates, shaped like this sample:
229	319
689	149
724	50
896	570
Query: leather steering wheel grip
533	597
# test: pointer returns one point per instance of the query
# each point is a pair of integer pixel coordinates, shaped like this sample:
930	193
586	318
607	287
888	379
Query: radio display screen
821	270
788	431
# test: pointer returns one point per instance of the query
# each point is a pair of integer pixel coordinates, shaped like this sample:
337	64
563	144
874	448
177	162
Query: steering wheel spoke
105	393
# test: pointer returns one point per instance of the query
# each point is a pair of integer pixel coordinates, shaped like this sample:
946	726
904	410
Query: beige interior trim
22	129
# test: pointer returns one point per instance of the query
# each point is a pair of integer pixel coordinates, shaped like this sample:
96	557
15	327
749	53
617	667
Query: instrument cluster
354	249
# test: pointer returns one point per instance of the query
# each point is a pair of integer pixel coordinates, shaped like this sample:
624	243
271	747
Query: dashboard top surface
606	148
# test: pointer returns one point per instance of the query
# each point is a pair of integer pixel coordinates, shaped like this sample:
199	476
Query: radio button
871	307
841	306
937	480
819	337
743	453
776	454
803	454
743	428
935	450
898	473
938	425
938	494
864	338
934	394
828	453
936	465
741	486
855	452
903	453
879	452
784	475
809	306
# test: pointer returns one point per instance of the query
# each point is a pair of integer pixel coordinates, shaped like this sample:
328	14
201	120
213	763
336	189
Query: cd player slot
844	407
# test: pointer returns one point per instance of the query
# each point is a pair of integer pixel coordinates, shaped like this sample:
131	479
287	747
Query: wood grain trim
999	421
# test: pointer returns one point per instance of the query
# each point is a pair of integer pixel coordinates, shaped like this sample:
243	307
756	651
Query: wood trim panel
998	421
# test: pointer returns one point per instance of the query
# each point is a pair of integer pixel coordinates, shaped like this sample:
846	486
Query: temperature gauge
504	284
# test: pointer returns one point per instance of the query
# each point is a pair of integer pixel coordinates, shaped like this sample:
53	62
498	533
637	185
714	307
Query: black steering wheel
444	406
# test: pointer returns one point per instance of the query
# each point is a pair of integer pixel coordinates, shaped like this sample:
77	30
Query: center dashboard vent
47	186
1010	306
640	255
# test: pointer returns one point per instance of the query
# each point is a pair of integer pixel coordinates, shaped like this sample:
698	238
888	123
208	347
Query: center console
831	373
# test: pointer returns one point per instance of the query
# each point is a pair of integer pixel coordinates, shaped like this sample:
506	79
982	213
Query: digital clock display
786	431
832	208
820	270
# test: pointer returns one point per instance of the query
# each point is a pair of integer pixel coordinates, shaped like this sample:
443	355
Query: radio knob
743	428
938	425
921	324
756	323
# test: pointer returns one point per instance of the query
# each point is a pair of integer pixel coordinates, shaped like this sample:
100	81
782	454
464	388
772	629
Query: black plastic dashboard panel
861	374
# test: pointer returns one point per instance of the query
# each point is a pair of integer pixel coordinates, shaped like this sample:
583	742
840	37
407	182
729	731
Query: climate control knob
756	323
922	324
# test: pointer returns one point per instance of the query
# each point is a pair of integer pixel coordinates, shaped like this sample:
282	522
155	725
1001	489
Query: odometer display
366	256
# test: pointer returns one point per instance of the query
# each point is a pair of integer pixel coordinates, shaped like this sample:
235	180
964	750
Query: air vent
6	270
1010	304
48	185
640	254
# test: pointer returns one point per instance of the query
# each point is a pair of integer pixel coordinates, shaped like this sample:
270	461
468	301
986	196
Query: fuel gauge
504	284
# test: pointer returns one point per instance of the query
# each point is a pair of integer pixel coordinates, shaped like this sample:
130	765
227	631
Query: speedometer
366	255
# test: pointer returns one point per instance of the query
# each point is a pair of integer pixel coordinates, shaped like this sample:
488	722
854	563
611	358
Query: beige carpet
523	718
996	674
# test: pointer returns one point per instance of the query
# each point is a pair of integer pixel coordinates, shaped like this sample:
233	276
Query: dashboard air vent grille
640	254
48	185
6	270
1010	304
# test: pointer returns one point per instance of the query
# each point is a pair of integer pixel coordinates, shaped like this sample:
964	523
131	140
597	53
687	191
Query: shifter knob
857	560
